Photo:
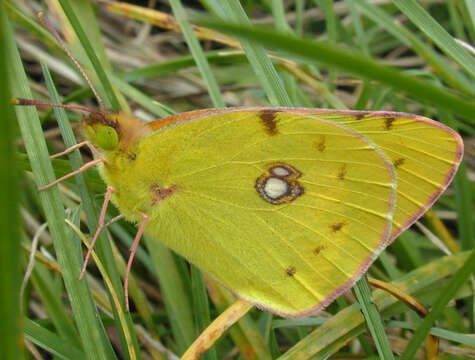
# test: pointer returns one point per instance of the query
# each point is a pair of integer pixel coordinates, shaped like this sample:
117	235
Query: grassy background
394	55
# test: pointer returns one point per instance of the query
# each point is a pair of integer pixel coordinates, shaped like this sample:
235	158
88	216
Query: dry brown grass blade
214	331
432	343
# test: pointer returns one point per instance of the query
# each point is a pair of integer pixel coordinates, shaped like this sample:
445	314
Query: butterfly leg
100	225
77	146
81	169
133	250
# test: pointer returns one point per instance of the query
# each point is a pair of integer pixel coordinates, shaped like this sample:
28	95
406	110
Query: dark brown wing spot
388	123
132	156
342	173
398	162
321	144
268	119
160	193
318	249
359	116
337	227
291	270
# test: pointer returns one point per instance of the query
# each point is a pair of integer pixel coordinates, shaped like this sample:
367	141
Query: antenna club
43	20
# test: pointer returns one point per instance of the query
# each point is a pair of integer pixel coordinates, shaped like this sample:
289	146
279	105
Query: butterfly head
113	131
102	131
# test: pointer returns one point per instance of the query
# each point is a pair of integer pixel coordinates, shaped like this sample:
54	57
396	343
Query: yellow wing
286	210
425	155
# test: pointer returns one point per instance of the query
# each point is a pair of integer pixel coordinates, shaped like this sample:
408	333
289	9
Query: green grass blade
260	62
359	29
463	198
104	247
437	34
470	5
201	309
176	301
133	93
93	337
464	339
373	319
9	217
197	52
174	65
51	342
462	275
357	64
348	323
44	285
453	77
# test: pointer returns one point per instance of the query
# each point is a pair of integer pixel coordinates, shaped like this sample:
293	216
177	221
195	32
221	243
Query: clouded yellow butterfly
287	207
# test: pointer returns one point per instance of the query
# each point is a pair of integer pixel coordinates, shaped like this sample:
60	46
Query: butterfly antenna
27	102
45	22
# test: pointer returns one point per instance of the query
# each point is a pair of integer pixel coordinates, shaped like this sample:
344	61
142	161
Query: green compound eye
106	137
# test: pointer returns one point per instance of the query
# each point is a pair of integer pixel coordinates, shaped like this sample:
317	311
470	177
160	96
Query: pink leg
102	217
81	169
133	249
69	149
81	144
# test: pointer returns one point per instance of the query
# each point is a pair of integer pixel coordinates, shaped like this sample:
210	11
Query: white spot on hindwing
275	187
278	185
280	171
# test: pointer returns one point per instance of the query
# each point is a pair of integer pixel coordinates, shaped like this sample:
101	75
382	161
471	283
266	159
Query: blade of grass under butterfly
176	302
9	219
245	334
460	277
464	339
334	56
463	204
91	213
348	323
94	340
426	23
47	290
373	320
463	197
51	342
201	307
